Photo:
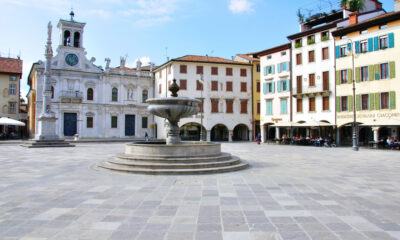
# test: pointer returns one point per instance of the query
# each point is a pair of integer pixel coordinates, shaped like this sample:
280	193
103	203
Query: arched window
77	37
90	94
52	92
67	38
144	95
114	95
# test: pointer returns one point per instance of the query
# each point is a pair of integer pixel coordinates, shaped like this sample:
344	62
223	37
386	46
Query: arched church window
145	94
67	38
52	92
90	94
77	37
114	95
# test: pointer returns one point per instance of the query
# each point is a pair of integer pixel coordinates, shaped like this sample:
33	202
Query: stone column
277	132
208	135
249	135
376	135
230	135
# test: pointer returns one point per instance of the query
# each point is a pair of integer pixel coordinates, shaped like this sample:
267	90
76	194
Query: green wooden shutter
358	102
337	104
377	101
349	76
377	75
265	71
358	74
350	103
278	86
371	72
371	101
338	77
392	97
392	69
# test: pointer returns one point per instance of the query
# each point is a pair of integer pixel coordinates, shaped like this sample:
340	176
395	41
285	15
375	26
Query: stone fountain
173	156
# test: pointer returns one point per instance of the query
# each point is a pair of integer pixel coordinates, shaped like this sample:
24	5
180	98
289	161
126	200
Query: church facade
87	100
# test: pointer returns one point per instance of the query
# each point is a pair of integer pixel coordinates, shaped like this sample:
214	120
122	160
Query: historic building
223	85
88	100
374	47
275	96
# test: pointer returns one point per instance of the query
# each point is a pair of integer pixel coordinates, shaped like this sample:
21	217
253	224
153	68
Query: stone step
221	157
181	165
46	143
119	168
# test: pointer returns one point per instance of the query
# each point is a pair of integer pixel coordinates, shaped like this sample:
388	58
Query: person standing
146	137
258	138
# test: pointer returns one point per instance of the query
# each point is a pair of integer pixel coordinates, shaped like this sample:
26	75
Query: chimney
304	27
397	5
353	18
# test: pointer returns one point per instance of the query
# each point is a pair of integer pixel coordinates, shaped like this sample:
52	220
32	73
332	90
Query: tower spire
72	14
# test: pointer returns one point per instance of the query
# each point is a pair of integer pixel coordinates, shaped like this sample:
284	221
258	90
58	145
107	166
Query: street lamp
355	145
202	107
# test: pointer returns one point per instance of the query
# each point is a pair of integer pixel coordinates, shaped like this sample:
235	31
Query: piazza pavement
289	192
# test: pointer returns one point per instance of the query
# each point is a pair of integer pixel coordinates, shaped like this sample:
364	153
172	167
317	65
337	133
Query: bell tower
71	32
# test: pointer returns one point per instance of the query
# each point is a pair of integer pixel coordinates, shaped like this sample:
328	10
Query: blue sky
154	29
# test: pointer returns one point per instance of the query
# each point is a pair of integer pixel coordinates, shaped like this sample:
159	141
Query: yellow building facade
374	45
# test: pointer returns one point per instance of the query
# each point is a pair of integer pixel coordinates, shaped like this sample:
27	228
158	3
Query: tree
353	5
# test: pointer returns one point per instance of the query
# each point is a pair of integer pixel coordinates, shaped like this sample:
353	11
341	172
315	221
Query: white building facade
89	101
225	91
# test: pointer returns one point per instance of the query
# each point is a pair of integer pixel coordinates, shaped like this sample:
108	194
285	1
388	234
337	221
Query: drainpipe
252	102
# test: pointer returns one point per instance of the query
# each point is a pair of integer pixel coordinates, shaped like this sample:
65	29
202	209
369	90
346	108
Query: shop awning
383	122
10	122
314	123
286	124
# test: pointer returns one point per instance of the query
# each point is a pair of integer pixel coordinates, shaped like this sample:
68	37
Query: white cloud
240	6
145	61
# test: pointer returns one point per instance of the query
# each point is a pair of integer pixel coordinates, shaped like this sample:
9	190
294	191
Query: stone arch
77	39
67	38
90	94
114	94
191	132
240	132
219	133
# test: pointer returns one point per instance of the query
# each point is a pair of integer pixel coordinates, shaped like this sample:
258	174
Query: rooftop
10	65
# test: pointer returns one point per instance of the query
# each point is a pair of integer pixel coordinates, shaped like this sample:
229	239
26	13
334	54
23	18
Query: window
229	87
228	71
343	76
182	68
283	106
12	89
144	122
310	39
67	38
364	46
385	100
269	57
270	87
343	103
169	69
243	72
182	84
269	107
199	70
298	43
311	56
89	94
343	51
364	74
325	53
311	104
13	78
214	70
364	101
325	103
114	95
145	95
214	85
285	85
299	104
325	81
311	80
214	105
77	37
258	87
160	74
258	107
159	88
114	121
199	85
229	106
89	122
384	70
364	31
383	42
298	59
258	68
243	106
243	87
12	107
383	26
283	53
325	36
299	84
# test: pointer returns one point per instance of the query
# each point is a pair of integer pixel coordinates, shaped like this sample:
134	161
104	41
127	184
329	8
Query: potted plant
310	41
297	45
325	38
300	16
353	5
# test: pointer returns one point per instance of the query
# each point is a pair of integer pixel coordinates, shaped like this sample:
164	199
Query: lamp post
355	145
202	107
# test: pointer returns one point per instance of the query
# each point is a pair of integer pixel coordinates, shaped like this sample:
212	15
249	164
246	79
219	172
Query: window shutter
350	103
273	69
370	45
371	72
357	46
392	96
391	40
358	74
279	68
265	88
278	87
358	102
273	87
349	46
377	75
377	101
287	85
392	68
287	66
337	77
337	104
376	43
349	76
337	51
265	71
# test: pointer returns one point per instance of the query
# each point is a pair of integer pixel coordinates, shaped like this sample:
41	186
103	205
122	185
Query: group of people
393	143
313	140
11	135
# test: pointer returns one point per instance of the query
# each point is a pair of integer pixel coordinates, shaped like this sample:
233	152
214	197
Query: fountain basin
173	109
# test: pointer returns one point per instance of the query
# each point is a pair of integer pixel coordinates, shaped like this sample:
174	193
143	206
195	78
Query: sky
152	30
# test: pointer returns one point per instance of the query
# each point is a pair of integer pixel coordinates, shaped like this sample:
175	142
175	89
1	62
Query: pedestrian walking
258	138
146	137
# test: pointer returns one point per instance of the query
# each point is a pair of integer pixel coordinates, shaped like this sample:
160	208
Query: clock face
71	59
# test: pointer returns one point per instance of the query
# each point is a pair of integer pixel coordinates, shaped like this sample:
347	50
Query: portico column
230	135
208	135
249	135
263	136
277	132
376	135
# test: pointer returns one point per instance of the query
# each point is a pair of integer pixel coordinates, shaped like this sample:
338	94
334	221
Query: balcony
311	91
71	96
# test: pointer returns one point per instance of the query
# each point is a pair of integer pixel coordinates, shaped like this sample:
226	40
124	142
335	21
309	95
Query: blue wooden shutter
269	108
287	66
265	88
357	46
391	40
273	69
370	45
265	71
273	87
376	43
349	47
279	68
278	87
337	51
287	85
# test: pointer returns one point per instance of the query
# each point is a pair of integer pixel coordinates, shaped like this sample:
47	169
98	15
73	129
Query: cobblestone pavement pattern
288	193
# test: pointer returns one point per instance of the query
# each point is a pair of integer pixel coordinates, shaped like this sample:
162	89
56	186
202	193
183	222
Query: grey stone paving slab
287	193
